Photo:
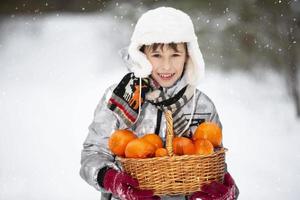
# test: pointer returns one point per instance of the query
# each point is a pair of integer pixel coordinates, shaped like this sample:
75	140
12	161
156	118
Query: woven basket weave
175	175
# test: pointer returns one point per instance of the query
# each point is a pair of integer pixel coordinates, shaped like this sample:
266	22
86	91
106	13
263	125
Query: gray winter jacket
96	155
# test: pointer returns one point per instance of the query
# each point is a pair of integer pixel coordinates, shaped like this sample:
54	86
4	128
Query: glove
216	190
125	187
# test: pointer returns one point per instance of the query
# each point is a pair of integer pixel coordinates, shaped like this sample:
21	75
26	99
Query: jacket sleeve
95	153
214	117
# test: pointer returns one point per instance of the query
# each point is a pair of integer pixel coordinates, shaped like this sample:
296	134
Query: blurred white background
53	72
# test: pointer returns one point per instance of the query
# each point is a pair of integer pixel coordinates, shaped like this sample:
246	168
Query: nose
166	64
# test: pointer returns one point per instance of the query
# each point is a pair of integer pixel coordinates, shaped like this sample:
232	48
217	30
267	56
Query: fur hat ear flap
143	67
195	65
189	71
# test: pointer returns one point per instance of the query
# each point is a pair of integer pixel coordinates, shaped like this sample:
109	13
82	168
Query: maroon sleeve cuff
101	174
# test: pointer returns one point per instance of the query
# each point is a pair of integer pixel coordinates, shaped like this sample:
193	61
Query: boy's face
167	64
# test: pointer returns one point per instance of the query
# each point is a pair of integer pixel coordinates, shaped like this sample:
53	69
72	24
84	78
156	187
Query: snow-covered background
53	71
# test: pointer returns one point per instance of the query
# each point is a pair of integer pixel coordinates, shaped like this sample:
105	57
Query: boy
165	64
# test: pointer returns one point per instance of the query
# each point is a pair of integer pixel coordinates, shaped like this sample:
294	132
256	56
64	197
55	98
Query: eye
176	55
156	55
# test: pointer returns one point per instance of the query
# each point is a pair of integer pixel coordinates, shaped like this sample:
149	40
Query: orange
153	139
210	131
183	146
118	141
139	148
161	152
203	147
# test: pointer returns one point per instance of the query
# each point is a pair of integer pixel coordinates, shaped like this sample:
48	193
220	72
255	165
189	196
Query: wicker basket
175	175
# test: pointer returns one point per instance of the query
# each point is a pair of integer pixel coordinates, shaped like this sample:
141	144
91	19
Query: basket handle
170	132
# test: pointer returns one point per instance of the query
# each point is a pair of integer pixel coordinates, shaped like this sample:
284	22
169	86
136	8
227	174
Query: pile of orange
210	131
207	136
125	143
119	140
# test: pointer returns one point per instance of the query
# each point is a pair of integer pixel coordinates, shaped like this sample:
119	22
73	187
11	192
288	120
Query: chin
166	84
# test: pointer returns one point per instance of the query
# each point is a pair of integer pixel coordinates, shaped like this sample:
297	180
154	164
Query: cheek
155	65
179	65
154	70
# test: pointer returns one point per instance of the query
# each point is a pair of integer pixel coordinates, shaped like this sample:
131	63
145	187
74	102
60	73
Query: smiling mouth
166	76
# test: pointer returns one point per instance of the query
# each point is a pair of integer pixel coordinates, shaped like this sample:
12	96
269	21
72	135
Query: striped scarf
126	96
165	102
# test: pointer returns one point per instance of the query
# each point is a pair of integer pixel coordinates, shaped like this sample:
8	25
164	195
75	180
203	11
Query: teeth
166	75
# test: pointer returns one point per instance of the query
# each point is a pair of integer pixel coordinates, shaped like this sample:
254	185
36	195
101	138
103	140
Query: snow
53	71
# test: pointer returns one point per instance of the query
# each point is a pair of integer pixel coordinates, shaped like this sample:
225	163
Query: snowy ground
53	71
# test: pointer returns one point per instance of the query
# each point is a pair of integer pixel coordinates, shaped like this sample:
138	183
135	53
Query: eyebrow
155	51
159	51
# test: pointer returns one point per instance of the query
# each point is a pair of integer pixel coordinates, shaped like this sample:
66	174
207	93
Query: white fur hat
166	25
